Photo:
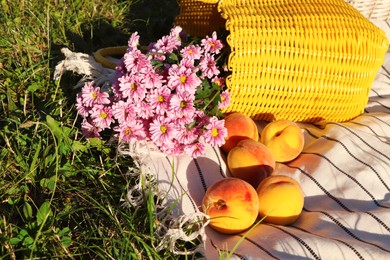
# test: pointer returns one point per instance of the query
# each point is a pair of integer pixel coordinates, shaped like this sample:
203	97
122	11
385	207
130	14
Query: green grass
61	197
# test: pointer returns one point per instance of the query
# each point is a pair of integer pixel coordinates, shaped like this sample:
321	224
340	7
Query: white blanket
344	171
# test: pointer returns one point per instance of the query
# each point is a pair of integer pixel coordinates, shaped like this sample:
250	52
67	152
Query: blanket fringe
172	231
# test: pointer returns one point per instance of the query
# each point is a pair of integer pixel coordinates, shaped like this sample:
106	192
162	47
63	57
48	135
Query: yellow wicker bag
304	60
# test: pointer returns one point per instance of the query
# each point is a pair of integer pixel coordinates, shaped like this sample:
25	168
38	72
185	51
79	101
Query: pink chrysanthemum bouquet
171	94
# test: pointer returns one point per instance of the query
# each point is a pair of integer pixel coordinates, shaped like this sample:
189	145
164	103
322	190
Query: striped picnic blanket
344	171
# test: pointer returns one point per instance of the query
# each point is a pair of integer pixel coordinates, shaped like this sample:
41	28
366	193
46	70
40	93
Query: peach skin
284	139
239	127
280	199
232	205
250	161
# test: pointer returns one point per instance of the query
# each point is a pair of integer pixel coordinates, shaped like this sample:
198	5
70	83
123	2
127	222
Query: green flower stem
211	100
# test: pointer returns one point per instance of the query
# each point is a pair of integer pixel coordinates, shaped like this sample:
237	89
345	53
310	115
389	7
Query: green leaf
63	148
66	241
49	183
173	57
33	164
61	133
99	144
151	210
14	241
53	125
156	63
64	231
28	240
11	201
23	233
79	146
27	210
44	212
33	87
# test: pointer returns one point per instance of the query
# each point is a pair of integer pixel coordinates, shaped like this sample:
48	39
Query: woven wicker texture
199	17
304	60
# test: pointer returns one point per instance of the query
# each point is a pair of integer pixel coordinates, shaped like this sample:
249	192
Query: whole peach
281	199
239	127
284	139
250	161
231	204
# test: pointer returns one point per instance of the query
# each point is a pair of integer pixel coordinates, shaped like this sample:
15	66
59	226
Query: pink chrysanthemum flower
159	99
91	95
169	43
191	52
82	110
155	54
186	135
102	116
183	79
182	107
144	109
162	130
152	80
123	111
130	130
195	149
225	100
215	132
208	66
132	86
133	41
165	45
158	95
116	90
201	118
136	61
219	81
212	44
173	148
189	64
175	32
89	130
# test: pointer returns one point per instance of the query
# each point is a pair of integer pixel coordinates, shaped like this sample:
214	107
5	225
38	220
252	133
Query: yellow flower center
133	86
160	99
103	115
183	104
214	132
163	129
94	95
190	51
128	131
183	79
